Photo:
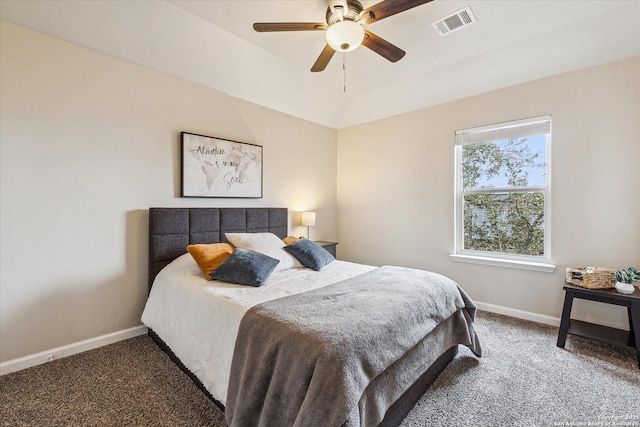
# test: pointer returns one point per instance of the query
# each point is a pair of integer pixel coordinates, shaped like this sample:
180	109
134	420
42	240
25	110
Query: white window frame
503	131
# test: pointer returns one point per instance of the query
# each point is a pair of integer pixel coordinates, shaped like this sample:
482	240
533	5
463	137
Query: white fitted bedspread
199	319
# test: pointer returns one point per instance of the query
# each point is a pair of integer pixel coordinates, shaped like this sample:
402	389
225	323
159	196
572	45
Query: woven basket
596	278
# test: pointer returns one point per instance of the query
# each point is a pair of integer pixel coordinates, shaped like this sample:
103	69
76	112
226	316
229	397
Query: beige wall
88	143
396	180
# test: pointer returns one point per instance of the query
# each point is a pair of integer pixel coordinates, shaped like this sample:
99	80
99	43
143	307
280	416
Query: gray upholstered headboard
171	230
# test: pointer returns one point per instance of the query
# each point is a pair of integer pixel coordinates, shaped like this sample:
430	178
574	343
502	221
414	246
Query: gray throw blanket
305	360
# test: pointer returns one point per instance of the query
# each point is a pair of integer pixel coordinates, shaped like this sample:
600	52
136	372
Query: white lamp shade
308	219
345	36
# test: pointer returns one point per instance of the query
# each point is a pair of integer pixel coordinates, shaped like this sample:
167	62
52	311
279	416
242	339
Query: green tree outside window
503	196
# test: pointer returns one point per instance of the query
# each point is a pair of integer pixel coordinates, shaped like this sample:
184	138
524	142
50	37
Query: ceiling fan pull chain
344	71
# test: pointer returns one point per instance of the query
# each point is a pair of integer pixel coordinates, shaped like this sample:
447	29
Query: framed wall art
215	167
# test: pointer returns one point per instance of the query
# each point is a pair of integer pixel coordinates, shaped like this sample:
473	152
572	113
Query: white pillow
265	243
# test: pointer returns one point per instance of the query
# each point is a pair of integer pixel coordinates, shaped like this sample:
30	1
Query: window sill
508	263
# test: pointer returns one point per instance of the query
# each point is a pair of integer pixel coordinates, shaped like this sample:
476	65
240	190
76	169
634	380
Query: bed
218	334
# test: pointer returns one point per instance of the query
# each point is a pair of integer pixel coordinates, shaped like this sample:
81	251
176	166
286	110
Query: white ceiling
213	43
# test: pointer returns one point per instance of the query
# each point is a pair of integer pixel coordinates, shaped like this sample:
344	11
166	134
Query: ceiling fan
344	28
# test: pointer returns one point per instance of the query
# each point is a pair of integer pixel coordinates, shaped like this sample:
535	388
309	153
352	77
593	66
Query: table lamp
308	219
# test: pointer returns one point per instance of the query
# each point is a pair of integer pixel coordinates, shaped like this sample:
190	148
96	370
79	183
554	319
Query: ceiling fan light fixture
345	36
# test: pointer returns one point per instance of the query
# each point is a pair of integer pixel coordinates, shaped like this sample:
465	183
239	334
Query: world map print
214	167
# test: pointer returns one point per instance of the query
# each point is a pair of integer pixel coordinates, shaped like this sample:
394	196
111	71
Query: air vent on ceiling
455	21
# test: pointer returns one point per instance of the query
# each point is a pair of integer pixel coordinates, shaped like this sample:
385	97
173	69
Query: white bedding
199	319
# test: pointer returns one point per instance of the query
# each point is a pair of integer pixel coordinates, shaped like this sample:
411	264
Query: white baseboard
69	350
520	314
79	347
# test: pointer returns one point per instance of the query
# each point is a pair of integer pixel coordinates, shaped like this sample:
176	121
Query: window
503	194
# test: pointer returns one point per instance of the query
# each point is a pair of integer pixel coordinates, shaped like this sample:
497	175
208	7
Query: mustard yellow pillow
210	256
290	239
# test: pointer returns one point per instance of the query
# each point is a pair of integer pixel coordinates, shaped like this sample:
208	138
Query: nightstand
328	246
626	339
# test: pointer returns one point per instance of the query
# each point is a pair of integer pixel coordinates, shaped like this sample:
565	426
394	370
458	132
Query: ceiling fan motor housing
354	9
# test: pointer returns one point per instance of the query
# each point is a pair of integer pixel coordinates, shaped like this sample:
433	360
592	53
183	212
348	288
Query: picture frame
219	168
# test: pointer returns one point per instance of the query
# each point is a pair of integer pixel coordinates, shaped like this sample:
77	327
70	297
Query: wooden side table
328	246
618	337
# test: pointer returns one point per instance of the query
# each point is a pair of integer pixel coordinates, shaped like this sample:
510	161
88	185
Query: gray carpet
523	379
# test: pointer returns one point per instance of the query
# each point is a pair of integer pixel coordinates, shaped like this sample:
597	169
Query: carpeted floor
523	379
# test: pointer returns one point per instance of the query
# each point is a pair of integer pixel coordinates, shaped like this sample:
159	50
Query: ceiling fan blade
265	27
388	8
323	59
382	47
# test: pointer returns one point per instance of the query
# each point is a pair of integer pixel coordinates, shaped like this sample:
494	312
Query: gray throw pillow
310	254
245	267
